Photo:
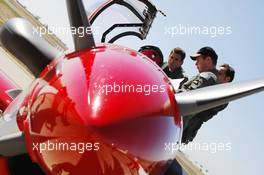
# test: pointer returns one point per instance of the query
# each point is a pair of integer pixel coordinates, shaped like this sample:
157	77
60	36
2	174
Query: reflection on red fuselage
129	128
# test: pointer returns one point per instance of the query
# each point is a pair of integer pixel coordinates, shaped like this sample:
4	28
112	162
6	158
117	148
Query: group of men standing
206	61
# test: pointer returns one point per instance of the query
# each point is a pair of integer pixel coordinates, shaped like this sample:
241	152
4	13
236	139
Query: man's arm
202	80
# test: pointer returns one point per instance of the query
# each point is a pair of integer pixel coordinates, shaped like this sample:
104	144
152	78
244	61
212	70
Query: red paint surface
130	129
5	85
3	167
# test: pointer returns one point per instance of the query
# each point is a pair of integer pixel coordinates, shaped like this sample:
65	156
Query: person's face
174	61
201	64
222	78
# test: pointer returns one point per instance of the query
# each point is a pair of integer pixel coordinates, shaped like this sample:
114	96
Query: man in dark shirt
193	123
173	68
206	60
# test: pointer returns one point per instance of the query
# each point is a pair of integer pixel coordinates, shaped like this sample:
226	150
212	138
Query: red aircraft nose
113	102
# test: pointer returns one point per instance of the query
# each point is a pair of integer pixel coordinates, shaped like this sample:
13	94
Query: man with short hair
225	75
206	60
173	68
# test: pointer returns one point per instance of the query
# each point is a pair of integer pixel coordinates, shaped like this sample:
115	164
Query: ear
182	62
208	59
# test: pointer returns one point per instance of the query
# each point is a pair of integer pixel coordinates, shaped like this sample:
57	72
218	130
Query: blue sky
241	124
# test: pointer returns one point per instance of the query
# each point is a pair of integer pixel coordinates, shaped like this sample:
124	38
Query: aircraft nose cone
108	95
116	83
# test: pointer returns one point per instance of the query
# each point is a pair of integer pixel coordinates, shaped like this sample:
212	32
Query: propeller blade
22	40
78	19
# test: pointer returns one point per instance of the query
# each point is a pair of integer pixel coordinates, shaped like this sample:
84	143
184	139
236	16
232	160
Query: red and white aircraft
66	124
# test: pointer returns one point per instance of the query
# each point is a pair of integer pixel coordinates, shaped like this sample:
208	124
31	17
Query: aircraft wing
12	141
195	101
